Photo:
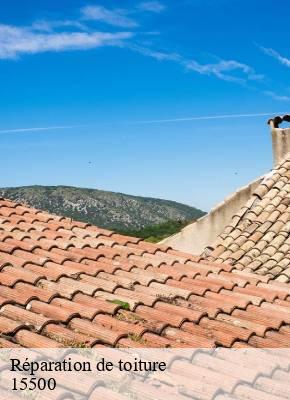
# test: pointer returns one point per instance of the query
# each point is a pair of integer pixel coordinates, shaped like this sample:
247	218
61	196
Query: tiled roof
67	283
257	239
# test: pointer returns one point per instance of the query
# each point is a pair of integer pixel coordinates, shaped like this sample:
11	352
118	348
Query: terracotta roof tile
69	284
26	338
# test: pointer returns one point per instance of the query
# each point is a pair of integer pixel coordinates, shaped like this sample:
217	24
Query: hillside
116	211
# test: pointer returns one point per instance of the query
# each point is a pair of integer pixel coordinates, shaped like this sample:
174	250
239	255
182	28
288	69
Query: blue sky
105	94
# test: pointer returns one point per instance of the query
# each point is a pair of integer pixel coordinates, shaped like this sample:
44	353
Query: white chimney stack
280	138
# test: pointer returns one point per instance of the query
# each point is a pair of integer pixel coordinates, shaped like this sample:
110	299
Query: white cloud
67	35
227	70
49	26
276	96
158	55
116	17
120	17
276	55
152	6
224	70
15	41
42	36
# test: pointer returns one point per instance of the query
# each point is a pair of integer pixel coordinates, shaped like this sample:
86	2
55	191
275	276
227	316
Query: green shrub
155	233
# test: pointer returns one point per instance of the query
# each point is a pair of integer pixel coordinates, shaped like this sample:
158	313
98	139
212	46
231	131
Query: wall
195	237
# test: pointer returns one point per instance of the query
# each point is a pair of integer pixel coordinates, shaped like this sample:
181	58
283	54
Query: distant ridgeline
149	218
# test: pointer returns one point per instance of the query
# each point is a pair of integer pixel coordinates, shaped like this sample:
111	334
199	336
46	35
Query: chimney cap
276	121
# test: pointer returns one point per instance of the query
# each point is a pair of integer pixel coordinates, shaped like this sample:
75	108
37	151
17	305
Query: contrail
48	128
153	121
208	117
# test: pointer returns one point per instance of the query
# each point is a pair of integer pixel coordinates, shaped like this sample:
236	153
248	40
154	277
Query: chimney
280	138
